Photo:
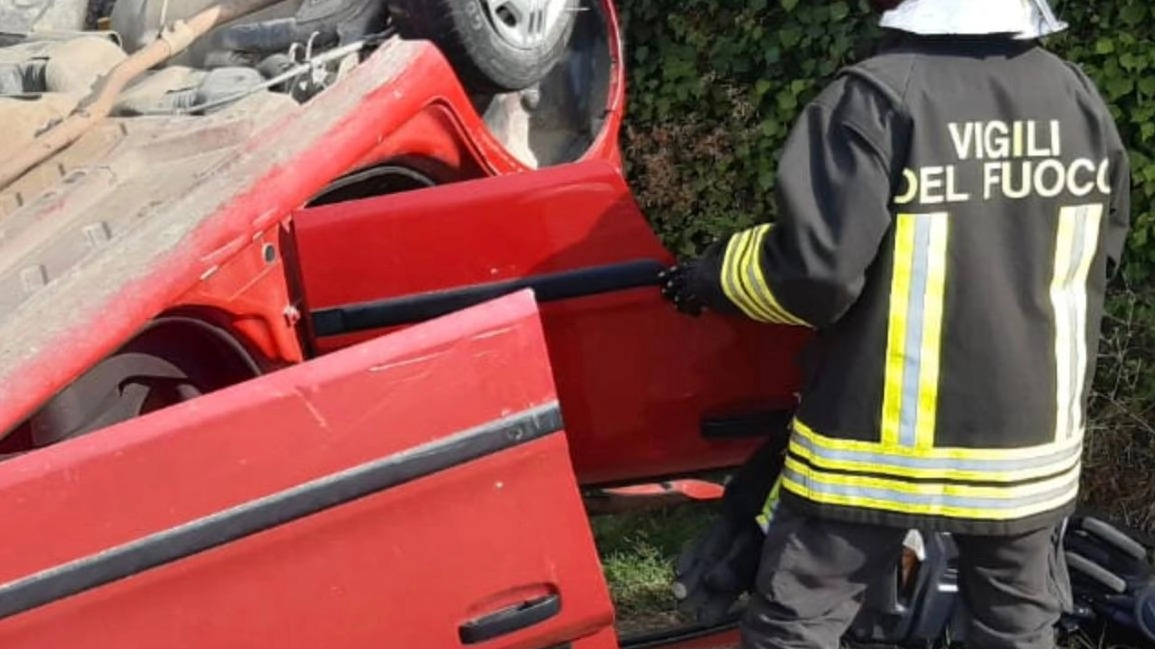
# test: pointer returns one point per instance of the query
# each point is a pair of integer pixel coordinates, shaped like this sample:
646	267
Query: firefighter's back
967	359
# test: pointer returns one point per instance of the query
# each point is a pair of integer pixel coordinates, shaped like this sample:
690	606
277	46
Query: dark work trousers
814	573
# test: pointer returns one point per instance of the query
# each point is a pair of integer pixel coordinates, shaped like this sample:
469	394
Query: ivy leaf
1147	85
788	5
1104	46
1134	12
765	180
787	102
839	11
1119	86
789	37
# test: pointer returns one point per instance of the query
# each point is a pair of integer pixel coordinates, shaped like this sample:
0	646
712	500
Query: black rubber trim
277	509
667	637
418	307
510	620
761	423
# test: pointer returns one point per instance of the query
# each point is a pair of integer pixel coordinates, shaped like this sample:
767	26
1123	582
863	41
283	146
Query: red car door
645	391
411	491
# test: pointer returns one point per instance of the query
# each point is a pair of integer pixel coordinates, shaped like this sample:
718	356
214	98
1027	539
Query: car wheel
495	45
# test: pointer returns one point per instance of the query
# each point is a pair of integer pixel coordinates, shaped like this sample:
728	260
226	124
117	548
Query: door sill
719	636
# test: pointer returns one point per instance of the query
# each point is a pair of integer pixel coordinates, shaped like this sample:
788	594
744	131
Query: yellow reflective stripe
1093	214
1016	491
762	290
946	453
770	506
1075	246
914	330
896	329
750	258
731	277
931	510
932	332
925	468
959	501
745	284
1059	297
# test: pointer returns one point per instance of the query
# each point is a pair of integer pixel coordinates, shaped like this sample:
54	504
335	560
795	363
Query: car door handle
510	619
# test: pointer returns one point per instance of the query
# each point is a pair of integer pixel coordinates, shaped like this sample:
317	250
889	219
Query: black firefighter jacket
948	210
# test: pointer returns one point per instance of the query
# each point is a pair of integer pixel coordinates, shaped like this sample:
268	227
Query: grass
638	553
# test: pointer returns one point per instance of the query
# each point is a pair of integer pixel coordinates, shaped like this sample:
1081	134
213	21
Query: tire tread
475	59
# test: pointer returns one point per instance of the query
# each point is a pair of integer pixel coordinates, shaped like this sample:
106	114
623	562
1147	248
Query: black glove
721	564
1110	573
677	287
717	569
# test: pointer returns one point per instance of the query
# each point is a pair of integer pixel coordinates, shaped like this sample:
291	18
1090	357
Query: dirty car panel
646	391
414	490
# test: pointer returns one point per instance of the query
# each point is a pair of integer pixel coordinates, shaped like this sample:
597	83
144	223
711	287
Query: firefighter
949	212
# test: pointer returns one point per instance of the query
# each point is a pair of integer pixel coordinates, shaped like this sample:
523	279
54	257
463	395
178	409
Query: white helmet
1024	18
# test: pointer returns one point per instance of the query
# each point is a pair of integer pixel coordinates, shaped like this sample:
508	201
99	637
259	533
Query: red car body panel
465	501
635	377
404	100
107	546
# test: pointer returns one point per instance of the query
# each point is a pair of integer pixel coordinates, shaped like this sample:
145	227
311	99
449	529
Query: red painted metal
634	376
407	565
651	496
405	100
247	295
403	567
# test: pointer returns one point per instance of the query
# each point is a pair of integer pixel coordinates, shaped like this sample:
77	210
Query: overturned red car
336	323
331	357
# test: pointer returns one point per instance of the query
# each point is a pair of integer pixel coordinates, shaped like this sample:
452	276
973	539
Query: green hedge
715	86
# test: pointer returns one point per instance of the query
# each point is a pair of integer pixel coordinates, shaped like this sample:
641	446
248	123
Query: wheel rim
525	24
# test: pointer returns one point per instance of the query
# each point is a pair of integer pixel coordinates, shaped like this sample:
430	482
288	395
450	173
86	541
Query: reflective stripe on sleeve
745	284
770	506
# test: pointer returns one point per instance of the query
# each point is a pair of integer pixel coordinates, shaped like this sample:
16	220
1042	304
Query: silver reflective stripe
920	501
1059	459
915	328
1077	333
761	299
1076	243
